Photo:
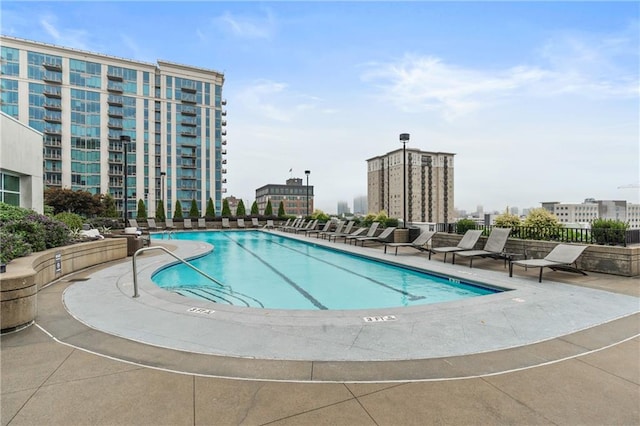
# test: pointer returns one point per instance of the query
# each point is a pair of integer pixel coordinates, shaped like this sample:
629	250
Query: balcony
188	165
188	178
115	87
114	100
224	141
188	98
224	181
52	92
115	75
53	66
224	190
115	112
53	182
223	171
188	133
223	133
114	136
53	118
48	141
188	86
189	110
223	113
115	124
52	77
115	146
188	154
223	122
224	102
189	122
52	130
223	152
52	155
53	106
224	161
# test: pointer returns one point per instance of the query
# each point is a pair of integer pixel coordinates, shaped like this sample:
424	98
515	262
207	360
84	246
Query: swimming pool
265	270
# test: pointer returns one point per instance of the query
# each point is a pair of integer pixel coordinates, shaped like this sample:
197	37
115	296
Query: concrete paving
582	371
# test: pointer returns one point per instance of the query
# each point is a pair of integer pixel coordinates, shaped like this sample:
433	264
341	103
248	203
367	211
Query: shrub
463	225
268	210
255	211
211	209
319	215
72	220
177	214
507	220
9	212
226	210
240	210
608	231
160	215
194	212
12	246
142	210
543	225
281	211
368	219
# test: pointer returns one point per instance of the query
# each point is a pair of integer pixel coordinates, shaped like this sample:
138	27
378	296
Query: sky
539	101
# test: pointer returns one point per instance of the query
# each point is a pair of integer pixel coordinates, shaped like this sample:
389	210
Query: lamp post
125	140
404	140
307	172
162	175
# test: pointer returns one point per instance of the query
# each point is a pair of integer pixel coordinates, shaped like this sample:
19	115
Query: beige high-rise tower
429	185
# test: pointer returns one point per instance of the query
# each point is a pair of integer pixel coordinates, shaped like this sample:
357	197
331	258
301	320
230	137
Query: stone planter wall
614	260
26	275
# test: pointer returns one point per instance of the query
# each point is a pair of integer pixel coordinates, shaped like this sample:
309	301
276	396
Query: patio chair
188	224
354	234
151	224
370	233
241	223
420	243
467	242
329	234
563	257
133	223
168	224
382	238
492	248
225	223
202	223
317	232
310	225
269	224
286	224
254	222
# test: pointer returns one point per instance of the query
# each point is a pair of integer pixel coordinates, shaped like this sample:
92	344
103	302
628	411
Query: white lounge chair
168	224
382	238
563	257
241	223
370	233
151	223
467	242
225	223
492	248
254	222
188	224
202	223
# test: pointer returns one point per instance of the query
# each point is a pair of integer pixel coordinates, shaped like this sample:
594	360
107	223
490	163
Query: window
10	189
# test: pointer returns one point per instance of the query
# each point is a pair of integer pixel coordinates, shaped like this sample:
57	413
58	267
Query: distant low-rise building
360	205
297	198
592	209
343	208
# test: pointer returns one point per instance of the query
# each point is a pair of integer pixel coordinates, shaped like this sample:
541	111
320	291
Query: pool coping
491	354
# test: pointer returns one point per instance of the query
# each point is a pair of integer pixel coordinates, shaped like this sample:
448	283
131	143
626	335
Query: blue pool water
260	269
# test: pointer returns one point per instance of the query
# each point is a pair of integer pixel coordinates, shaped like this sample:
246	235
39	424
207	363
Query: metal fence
560	234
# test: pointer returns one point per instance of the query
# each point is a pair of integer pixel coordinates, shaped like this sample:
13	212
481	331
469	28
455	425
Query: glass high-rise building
84	103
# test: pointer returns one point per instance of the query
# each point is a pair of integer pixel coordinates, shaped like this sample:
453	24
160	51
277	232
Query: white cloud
67	37
251	27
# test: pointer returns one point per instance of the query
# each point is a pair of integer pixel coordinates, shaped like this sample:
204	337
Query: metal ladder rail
135	270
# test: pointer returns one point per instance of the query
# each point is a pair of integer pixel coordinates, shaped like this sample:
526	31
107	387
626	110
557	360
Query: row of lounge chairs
189	224
562	258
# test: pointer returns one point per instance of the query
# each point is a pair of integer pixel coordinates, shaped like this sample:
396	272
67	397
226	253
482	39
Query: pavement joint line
475	376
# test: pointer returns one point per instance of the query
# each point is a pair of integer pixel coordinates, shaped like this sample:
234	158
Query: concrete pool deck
584	371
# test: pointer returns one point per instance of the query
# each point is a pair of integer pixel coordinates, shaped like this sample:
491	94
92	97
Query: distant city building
84	102
360	205
429	185
233	205
297	198
343	208
591	209
20	164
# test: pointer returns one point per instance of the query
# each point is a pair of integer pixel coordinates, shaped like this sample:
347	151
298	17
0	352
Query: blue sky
539	101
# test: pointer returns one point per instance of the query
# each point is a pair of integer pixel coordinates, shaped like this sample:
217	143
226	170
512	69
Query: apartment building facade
296	197
88	105
592	209
429	185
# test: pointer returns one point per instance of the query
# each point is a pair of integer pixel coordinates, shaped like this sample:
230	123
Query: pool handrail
135	271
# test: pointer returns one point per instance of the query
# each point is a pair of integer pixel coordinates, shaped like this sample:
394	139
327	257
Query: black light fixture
307	172
404	140
125	140
162	175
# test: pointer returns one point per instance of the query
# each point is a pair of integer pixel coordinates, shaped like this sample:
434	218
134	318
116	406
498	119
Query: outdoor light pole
404	140
162	175
125	149
307	172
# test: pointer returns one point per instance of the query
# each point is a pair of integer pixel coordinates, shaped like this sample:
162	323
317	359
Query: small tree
211	209
463	225
281	212
142	210
268	210
543	224
160	215
254	209
319	215
193	211
109	206
240	210
177	214
507	220
226	210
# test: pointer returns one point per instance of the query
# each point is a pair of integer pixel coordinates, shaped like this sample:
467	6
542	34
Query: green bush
507	220
194	212
281	212
268	210
160	215
72	220
177	214
608	231
256	211
211	209
9	212
240	209
463	225
142	210
12	246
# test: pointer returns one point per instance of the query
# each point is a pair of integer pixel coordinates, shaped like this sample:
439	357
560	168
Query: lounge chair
168	224
297	224
202	223
338	231
269	224
310	225
254	222
317	232
370	233
241	223
492	248
467	242
151	224
382	238
563	257
354	234
225	223
420	243
188	224
133	223
285	224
